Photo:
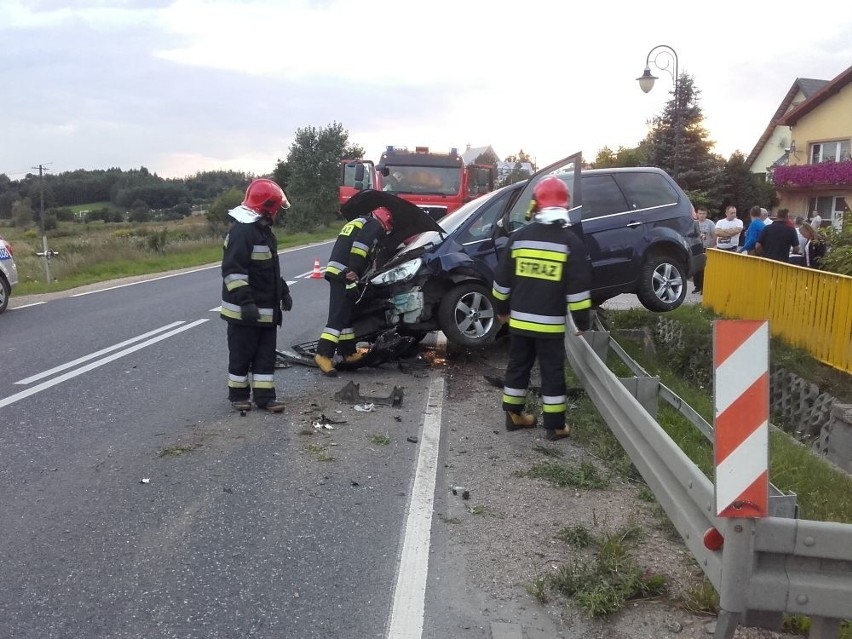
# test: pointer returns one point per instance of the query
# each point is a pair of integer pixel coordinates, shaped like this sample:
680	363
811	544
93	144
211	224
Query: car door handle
633	225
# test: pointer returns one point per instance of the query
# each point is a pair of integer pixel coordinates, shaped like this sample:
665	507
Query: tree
207	185
678	142
737	186
140	212
217	214
311	173
636	156
487	157
519	158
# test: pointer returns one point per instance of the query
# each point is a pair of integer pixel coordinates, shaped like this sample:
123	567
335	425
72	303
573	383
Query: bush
157	241
839	256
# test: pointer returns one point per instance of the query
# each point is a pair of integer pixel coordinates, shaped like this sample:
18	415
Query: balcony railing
804	175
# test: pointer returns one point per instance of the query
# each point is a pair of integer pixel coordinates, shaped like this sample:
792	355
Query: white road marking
153	279
17	308
406	617
88	367
104	351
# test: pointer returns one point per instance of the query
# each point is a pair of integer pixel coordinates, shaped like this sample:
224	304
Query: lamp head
646	81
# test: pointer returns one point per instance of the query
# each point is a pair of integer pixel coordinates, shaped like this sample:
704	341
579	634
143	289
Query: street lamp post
663	58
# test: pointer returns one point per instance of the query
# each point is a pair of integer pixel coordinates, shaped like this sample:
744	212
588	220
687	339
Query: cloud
187	85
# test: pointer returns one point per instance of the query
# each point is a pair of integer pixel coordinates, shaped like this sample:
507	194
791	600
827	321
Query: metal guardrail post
646	390
737	560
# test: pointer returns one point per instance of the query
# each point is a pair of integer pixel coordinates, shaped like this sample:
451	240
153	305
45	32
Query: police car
8	273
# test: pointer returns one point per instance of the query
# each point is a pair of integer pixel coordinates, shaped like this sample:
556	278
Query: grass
320	452
578	536
824	493
586	475
602	585
800	625
177	450
96	252
380	440
701	597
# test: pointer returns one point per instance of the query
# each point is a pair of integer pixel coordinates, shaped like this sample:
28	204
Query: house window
830	151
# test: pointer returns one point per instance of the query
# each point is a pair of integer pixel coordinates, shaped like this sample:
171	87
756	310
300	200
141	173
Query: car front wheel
467	315
5	291
662	284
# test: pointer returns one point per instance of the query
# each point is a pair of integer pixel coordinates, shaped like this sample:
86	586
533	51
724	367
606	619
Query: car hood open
408	218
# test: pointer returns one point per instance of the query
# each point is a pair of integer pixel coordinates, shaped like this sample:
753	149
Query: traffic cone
316	274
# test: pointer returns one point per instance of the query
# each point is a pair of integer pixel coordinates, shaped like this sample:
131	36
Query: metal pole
41	224
676	77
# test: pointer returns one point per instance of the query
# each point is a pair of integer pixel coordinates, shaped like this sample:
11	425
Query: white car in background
8	273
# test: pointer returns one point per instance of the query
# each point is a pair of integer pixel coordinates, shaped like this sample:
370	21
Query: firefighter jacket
543	273
354	248
251	273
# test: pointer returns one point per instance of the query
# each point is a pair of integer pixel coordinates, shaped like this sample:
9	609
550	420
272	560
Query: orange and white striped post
741	450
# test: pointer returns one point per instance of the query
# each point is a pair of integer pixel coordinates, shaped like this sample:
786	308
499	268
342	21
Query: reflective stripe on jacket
543	273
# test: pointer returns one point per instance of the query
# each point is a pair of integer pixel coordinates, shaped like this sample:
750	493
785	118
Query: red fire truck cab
438	183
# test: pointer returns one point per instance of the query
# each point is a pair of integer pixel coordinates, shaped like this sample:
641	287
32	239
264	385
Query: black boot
556	434
273	406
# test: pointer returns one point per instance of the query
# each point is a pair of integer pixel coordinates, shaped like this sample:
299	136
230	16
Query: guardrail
765	567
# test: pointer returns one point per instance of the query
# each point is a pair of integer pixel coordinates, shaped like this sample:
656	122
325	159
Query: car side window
601	196
644	190
482	227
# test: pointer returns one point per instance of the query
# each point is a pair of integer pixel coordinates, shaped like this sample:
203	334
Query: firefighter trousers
338	335
251	363
523	352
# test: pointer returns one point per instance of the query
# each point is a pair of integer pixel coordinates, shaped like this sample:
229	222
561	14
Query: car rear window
644	190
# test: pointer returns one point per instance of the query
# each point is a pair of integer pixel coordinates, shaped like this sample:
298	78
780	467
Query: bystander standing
815	246
776	240
755	226
728	231
706	230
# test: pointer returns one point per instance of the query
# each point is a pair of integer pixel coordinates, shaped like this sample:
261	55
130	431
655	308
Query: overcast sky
181	86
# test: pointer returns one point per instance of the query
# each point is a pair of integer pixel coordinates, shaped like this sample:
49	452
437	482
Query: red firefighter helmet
385	218
551	191
265	197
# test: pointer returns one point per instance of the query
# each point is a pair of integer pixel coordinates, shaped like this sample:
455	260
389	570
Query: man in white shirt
728	230
816	220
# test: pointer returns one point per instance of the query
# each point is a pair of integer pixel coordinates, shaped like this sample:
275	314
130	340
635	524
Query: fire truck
438	183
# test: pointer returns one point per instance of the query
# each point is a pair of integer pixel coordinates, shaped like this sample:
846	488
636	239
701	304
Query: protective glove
249	312
286	302
352	291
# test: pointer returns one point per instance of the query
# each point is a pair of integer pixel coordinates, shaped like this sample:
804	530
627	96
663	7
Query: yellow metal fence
808	309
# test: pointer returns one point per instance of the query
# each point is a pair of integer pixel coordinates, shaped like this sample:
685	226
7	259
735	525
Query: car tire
662	283
5	292
467	315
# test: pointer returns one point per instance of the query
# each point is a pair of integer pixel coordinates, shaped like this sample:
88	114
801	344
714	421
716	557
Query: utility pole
46	253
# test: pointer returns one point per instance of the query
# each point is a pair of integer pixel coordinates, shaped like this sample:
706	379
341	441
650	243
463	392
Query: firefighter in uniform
543	273
254	296
351	255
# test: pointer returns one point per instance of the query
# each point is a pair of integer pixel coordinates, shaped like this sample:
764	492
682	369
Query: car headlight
401	273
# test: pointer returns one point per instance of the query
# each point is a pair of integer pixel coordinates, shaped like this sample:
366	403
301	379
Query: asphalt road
135	503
